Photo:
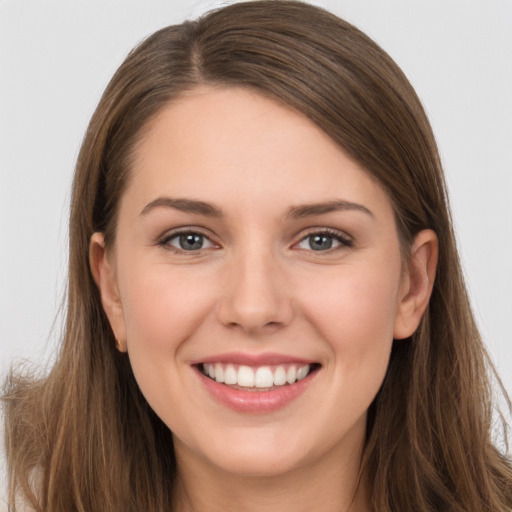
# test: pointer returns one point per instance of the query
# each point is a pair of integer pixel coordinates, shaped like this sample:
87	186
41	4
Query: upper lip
263	359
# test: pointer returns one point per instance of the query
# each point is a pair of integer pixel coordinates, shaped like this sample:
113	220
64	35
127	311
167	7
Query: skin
257	286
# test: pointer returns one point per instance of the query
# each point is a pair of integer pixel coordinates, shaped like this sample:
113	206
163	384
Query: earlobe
105	279
417	283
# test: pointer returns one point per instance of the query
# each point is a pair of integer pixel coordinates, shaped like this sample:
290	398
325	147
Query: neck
324	486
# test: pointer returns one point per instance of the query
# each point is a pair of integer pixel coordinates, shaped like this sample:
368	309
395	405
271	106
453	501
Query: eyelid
345	240
164	239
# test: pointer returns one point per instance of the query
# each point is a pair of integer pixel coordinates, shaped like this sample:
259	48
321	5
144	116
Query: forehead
234	144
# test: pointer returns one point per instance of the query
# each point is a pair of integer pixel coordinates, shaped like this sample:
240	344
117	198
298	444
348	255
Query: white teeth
230	375
291	375
302	372
219	373
246	377
263	377
280	376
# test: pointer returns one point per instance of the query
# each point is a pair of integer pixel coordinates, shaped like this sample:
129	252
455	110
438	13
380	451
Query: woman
266	308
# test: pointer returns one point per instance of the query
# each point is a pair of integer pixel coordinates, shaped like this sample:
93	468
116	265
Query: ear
417	283
105	279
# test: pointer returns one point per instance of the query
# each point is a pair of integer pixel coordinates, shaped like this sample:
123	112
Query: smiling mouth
260	378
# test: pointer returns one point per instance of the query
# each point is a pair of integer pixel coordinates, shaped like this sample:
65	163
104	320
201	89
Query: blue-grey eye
320	242
189	241
323	242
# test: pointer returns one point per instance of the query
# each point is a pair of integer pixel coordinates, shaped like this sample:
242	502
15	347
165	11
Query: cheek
162	312
355	313
160	309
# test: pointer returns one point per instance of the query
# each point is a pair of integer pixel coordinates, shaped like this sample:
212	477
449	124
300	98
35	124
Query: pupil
320	242
191	242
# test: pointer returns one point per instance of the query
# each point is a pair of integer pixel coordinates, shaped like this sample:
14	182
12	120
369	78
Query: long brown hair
83	438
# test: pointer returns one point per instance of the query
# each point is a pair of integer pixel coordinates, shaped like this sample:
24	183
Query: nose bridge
256	295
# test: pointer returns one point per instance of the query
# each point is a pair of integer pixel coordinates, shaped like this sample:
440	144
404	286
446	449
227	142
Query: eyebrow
309	210
183	205
296	212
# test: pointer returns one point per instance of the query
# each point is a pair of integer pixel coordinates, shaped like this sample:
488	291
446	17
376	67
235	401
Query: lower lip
256	401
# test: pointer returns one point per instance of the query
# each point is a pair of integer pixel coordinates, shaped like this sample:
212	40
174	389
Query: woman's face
256	284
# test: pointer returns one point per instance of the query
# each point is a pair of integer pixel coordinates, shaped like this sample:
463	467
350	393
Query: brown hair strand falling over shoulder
83	438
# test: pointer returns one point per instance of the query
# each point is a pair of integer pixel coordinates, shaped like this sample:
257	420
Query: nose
255	298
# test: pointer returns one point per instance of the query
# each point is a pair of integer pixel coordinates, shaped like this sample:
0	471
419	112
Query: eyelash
344	240
165	241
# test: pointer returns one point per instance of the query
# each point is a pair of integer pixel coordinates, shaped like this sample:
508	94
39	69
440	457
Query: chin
259	464
256	452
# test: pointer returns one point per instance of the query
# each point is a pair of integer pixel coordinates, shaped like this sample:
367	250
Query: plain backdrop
56	58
